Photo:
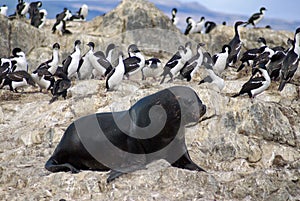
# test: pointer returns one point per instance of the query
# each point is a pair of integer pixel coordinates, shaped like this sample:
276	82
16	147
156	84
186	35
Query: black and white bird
70	64
60	88
98	61
81	14
290	62
108	55
174	65
275	64
22	8
19	57
256	17
38	19
209	26
18	79
191	26
64	15
212	78
135	62
235	44
60	27
200	25
52	64
174	17
43	78
152	68
249	56
256	84
220	60
34	8
115	76
43	75
192	65
3	10
5	68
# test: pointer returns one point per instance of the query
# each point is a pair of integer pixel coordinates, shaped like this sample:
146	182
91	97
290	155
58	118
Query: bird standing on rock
70	64
192	65
256	17
256	84
174	65
115	76
60	87
220	59
290	62
135	62
174	18
235	45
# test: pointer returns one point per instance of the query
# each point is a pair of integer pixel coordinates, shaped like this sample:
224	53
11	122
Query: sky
280	9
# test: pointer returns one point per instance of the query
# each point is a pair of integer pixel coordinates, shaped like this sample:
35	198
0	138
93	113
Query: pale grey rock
237	141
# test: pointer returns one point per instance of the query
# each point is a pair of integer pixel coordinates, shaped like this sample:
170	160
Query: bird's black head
77	42
262	40
262	9
226	48
297	30
91	44
39	4
202	18
16	51
188	19
174	10
56	46
133	48
238	23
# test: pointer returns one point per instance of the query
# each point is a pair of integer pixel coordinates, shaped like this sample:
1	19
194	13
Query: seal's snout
203	110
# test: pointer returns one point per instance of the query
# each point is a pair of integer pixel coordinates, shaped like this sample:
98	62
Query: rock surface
250	149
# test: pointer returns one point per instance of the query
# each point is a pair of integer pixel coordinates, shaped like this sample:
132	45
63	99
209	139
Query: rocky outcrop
249	148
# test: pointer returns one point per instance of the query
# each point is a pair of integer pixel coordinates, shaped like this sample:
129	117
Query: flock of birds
204	27
37	16
267	64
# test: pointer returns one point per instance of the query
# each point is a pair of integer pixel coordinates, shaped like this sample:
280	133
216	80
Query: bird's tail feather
282	84
241	67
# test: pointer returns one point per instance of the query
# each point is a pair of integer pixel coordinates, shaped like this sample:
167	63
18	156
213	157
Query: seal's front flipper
53	167
185	162
113	175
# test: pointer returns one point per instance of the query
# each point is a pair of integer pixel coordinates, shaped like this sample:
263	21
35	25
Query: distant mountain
192	9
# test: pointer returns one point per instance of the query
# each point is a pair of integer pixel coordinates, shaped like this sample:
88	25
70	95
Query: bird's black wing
255	16
215	58
63	86
131	63
16	76
108	77
253	83
99	54
173	61
66	64
42	71
188	68
188	28
104	62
